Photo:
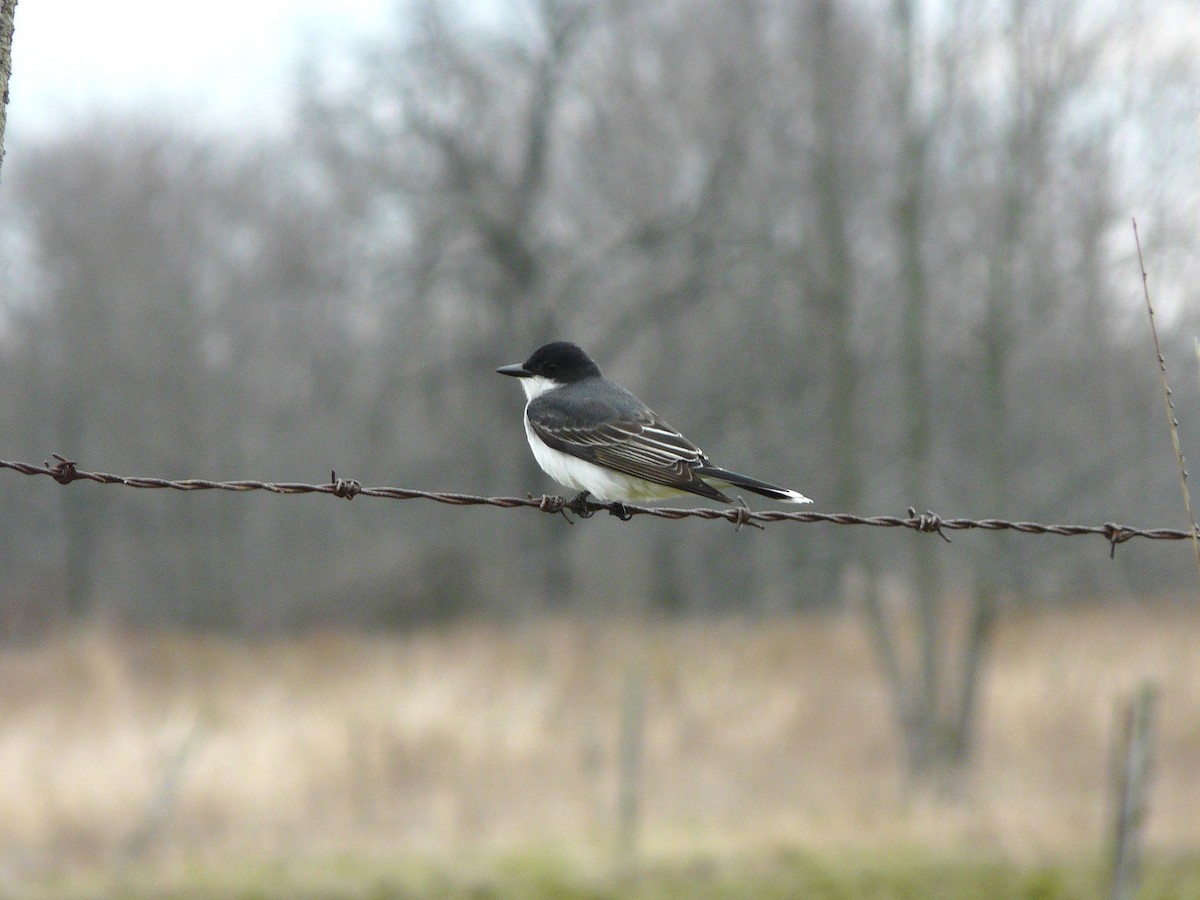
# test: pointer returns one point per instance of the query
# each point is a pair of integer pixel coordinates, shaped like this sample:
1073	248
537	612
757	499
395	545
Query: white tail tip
795	497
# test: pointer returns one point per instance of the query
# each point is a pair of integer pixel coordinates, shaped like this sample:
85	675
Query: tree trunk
8	11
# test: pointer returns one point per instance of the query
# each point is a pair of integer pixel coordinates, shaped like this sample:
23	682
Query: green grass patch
546	876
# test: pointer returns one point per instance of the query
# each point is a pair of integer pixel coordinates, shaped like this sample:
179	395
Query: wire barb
928	522
548	503
743	515
344	487
1116	534
65	470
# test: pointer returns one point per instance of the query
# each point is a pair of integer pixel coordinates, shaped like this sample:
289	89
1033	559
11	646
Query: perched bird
591	435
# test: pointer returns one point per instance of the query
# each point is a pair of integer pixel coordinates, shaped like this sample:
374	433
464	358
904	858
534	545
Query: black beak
516	370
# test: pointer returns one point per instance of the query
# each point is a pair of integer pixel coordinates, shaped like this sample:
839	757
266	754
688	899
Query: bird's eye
550	368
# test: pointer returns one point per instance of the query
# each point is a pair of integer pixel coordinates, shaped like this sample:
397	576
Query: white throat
535	385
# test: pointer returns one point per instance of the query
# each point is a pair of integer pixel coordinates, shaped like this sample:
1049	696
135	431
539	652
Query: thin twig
1169	405
65	471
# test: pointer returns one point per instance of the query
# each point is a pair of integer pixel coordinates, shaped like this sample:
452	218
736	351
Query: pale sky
227	60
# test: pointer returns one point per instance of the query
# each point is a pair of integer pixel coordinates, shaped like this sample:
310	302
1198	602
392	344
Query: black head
561	362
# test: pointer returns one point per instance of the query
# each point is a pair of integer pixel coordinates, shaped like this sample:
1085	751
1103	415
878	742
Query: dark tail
733	479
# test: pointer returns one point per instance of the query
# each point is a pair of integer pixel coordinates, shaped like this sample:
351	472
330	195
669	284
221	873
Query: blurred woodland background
876	250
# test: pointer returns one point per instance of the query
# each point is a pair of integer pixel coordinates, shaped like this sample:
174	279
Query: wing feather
636	443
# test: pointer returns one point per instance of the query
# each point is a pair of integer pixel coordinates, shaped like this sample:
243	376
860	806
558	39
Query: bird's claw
620	510
578	505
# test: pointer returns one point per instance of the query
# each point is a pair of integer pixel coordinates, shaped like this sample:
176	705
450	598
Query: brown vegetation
459	744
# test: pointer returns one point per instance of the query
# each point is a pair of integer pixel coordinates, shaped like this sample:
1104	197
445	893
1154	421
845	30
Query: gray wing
627	437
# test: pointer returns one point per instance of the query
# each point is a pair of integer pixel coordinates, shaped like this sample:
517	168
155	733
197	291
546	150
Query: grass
481	761
764	876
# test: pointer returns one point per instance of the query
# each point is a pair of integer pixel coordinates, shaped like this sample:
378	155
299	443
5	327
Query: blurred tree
154	359
916	694
831	273
957	134
105	221
868	249
446	140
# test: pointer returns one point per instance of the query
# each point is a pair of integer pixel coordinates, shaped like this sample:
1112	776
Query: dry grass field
453	750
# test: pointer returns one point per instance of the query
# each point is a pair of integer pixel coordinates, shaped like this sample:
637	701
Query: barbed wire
65	471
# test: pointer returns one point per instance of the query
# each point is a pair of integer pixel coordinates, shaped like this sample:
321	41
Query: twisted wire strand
65	471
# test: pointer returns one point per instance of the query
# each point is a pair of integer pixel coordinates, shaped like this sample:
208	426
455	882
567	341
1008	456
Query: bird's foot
578	505
620	510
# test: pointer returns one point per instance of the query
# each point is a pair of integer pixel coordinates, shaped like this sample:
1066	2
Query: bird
593	436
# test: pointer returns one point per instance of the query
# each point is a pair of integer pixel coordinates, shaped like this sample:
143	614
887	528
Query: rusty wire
65	471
